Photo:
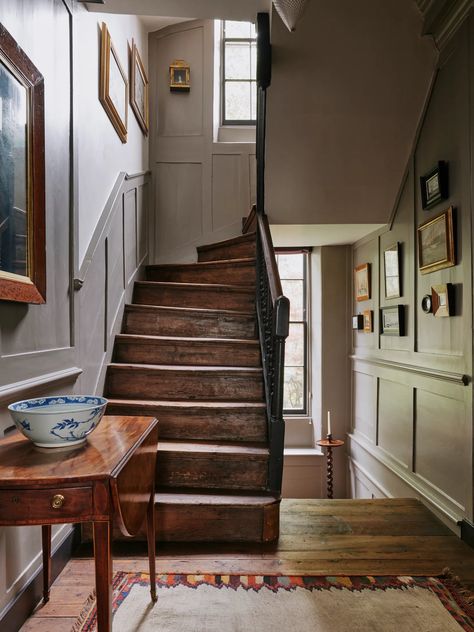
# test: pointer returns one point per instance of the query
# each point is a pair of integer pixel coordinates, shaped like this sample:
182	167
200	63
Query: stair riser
200	424
188	353
203	298
156	384
228	275
236	251
206	523
192	325
191	523
211	471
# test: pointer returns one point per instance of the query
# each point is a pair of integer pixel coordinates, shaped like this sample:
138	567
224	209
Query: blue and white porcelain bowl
55	422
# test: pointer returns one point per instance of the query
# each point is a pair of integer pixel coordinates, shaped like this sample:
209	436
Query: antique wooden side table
110	477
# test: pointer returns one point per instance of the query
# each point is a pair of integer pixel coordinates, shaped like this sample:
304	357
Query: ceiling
201	9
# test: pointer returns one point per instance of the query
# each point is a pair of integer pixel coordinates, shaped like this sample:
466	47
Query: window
239	72
293	266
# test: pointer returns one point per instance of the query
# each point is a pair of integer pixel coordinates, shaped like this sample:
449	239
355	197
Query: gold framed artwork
442	300
22	181
362	282
436	243
139	89
368	321
113	85
180	76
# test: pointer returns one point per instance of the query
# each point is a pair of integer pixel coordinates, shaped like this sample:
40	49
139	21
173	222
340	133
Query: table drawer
36	505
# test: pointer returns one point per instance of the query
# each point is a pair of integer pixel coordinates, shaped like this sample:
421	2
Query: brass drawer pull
58	501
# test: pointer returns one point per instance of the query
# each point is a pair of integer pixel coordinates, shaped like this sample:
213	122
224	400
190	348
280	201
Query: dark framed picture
434	185
22	176
436	243
442	300
138	89
392	320
113	85
180	76
368	321
358	321
391	257
362	282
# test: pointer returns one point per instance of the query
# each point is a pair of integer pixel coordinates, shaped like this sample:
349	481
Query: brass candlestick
329	443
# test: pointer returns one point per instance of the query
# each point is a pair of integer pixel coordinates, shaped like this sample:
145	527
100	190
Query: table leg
150	535
103	575
46	543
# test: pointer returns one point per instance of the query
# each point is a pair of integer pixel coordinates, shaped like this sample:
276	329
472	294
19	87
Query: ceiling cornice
442	18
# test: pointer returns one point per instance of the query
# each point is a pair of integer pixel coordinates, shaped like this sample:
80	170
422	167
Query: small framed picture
180	76
138	88
392	321
434	185
436	243
442	300
391	258
368	321
362	282
358	321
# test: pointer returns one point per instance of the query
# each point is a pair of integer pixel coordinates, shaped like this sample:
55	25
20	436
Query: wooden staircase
189	355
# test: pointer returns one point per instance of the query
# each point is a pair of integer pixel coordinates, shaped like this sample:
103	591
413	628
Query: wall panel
395	421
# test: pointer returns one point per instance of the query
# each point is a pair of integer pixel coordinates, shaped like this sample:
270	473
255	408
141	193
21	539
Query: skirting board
467	532
17	612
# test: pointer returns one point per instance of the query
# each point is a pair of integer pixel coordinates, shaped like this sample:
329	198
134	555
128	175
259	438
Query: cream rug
214	603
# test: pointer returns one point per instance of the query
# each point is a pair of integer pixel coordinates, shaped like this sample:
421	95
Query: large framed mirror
22	176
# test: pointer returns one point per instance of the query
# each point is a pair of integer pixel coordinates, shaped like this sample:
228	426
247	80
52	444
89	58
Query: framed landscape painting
113	85
436	243
139	89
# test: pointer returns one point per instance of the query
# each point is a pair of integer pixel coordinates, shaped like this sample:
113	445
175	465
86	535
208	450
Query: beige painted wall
347	93
202	188
411	412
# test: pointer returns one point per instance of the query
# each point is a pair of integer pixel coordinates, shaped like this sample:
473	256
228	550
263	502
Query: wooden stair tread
191	310
144	339
205	497
243	261
186	405
227	242
188	447
185	368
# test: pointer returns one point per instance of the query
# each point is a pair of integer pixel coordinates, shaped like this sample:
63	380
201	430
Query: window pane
293	394
237	60
253	60
294	347
237	101
291	266
293	290
238	29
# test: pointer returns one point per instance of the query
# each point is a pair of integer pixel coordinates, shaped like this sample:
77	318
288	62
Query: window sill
236	134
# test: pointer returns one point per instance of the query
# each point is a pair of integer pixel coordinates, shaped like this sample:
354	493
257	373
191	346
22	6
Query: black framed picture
434	185
392	320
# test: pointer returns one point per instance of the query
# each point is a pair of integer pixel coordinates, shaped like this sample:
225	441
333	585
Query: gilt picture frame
436	248
362	282
180	76
113	85
22	185
139	90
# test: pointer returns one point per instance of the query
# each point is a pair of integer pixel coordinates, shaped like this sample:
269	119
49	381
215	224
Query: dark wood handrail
269	255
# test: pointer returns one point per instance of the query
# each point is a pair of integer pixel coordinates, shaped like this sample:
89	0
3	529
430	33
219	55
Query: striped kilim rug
252	603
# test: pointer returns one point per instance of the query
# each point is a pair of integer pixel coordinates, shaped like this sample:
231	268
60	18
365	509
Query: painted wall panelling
202	188
412	396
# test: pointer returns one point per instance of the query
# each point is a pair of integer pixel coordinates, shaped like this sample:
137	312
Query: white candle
329	422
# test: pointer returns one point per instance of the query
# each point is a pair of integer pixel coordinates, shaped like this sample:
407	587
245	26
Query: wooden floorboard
319	537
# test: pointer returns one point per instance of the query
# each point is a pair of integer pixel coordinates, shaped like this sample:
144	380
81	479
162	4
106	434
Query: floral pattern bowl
55	422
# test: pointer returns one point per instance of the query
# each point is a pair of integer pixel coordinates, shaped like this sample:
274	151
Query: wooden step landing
146	381
183	350
218	421
205	295
231	272
212	465
186	321
235	248
211	517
